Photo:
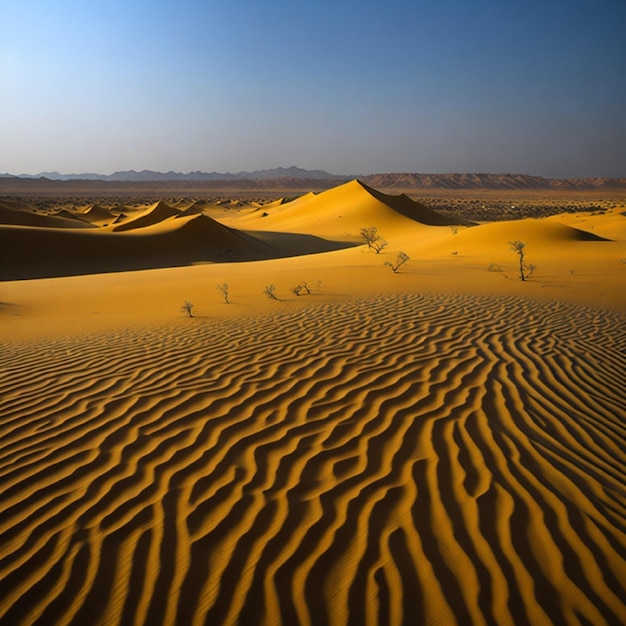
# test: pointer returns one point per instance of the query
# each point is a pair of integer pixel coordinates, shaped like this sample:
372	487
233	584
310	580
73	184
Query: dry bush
270	292
401	259
525	271
373	240
187	307
223	289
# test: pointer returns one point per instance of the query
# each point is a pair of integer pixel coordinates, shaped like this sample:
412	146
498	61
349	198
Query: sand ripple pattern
412	459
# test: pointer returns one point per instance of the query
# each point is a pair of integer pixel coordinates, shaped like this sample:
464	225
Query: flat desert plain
440	444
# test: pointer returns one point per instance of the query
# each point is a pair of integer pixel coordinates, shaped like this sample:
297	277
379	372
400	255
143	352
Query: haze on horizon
344	86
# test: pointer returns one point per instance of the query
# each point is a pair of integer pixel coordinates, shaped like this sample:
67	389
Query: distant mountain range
301	178
488	181
150	175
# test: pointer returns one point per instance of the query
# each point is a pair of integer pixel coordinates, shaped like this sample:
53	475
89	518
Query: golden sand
444	445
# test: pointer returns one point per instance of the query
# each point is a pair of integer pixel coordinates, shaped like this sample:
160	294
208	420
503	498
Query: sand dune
161	236
442	445
167	242
158	212
403	459
64	252
540	231
341	213
606	224
97	214
13	213
194	208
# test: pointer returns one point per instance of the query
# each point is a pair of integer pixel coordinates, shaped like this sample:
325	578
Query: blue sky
352	87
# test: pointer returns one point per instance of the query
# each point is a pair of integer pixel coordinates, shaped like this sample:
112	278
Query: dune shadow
10	307
31	253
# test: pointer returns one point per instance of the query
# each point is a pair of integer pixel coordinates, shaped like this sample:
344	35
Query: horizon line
78	175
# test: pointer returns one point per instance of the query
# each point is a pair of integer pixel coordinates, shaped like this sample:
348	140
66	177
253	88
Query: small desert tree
296	290
379	245
223	289
373	240
401	259
370	235
525	271
187	307
306	287
270	292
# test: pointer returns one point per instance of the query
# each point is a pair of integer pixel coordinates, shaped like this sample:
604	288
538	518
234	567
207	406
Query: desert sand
444	444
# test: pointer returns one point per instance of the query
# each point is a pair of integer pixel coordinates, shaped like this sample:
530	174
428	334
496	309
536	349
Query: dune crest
97	214
15	214
412	209
158	212
341	212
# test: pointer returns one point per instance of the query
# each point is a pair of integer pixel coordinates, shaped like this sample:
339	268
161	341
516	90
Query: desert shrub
223	289
401	259
187	308
379	245
270	292
373	240
369	235
525	271
496	269
301	288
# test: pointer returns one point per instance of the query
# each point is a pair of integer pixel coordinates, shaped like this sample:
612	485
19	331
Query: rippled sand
402	459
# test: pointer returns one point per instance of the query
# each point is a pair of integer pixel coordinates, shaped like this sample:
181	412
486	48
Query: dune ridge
16	214
158	212
341	212
395	459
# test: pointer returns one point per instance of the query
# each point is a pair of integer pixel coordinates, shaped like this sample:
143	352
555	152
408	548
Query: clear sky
349	86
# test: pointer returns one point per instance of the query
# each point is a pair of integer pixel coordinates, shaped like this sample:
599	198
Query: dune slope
341	212
179	240
13	213
45	252
404	459
154	214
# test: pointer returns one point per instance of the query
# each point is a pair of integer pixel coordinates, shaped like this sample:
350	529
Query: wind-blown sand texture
440	446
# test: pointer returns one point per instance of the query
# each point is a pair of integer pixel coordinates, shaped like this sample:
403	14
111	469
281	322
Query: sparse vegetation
495	205
223	289
187	308
401	259
379	245
525	271
373	240
497	269
369	234
270	292
300	289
